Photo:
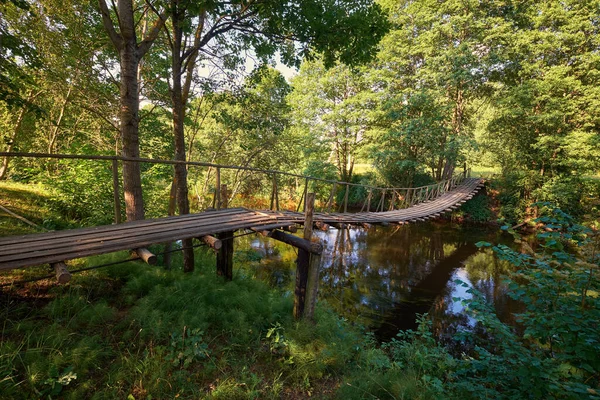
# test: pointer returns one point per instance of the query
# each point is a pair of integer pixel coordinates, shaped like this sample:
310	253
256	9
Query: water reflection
383	277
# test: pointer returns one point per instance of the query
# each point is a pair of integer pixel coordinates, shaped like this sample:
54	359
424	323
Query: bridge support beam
307	269
225	255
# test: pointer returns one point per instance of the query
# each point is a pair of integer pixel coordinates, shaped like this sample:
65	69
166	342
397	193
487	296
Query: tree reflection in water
383	277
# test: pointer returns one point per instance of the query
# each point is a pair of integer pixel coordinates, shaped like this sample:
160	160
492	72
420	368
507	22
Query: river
384	277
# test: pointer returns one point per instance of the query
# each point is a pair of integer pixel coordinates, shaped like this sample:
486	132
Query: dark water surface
384	277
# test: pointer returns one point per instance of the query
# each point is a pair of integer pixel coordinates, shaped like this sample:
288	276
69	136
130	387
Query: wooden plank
123	243
115	229
81	236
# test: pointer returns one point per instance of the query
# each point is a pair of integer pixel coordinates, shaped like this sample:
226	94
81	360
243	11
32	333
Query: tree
16	55
68	103
544	133
333	107
445	51
130	52
247	126
228	29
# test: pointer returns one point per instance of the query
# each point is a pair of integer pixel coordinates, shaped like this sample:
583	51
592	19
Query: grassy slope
28	201
134	331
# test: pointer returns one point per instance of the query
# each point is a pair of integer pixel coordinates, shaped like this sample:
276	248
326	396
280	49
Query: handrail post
331	197
346	198
217	198
116	196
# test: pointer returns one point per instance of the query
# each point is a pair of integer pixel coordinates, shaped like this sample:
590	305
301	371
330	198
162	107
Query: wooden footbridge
215	227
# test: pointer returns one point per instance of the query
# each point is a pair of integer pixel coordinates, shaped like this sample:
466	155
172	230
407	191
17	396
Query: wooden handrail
200	164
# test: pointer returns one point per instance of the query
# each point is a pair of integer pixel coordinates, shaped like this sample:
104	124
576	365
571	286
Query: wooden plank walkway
54	247
419	212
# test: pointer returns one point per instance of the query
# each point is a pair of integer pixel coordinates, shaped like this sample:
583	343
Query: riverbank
134	331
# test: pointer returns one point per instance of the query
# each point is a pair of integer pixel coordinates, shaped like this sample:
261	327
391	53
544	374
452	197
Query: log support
301	244
62	273
225	255
307	269
146	255
211	241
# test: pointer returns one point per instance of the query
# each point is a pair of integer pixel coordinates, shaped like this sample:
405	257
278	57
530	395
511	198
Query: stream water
384	277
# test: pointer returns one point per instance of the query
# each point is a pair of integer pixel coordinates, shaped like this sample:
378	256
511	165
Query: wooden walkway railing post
225	253
275	194
331	197
307	269
217	198
346	198
116	195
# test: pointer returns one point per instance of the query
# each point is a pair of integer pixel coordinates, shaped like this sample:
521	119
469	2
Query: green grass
135	331
484	171
363	168
35	203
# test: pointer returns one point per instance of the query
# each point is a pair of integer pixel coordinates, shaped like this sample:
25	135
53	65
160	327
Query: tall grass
135	331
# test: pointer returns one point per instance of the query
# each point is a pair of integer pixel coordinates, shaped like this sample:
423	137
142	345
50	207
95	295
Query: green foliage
412	366
558	285
332	110
187	347
477	209
84	191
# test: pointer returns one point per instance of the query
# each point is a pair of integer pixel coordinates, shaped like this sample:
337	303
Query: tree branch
107	22
144	46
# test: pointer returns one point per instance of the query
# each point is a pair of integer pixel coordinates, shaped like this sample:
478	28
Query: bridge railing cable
332	195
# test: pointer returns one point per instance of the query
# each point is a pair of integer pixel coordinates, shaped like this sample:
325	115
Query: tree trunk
178	102
129	119
61	115
13	137
130	53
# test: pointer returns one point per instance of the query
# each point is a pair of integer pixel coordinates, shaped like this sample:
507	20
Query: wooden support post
383	200
303	197
116	196
346	198
62	273
146	255
393	200
275	194
307	269
217	199
369	200
224	196
225	253
211	241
